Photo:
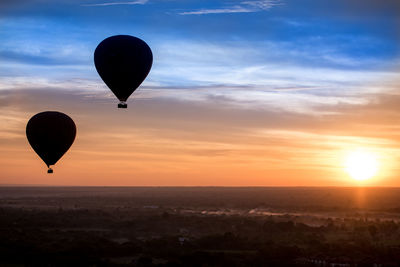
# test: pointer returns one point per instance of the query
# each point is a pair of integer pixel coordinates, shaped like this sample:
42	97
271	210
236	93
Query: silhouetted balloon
50	134
123	63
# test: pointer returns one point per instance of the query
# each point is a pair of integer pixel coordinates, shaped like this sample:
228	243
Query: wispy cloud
179	136
262	4
138	2
235	9
243	7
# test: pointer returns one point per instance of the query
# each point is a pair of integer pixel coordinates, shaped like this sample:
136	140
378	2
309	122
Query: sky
241	93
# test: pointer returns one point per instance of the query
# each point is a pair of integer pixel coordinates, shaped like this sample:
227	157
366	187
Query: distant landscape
199	226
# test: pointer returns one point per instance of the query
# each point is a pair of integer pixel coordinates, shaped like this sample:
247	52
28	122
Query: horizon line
197	186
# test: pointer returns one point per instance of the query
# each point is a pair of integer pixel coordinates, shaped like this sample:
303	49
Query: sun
361	165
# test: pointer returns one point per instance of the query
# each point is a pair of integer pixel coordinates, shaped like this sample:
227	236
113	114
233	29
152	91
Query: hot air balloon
123	62
50	134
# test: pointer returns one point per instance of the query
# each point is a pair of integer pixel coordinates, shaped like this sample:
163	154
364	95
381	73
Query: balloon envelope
50	134
123	62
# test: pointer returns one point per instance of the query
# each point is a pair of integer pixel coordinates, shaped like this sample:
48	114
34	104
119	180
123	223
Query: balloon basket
50	170
122	105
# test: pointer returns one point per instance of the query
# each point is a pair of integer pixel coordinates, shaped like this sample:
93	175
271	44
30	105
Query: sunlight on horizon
361	164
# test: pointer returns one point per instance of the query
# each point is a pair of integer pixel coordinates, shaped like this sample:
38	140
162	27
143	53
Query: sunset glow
253	93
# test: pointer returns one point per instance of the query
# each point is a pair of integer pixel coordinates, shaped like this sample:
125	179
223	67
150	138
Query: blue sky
202	37
305	68
315	47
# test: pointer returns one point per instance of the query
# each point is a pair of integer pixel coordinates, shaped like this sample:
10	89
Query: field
199	226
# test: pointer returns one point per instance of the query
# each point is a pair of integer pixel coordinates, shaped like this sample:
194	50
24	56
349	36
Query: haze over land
211	226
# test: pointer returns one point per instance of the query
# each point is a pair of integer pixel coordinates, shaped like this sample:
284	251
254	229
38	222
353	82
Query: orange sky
254	93
163	140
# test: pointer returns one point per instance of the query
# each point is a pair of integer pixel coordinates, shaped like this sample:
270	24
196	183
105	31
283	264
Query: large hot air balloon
50	134
123	63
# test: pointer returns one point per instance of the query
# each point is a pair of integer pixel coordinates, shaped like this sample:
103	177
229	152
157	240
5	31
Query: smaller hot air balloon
123	62
50	134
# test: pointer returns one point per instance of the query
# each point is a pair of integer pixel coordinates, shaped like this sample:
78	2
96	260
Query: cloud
264	65
243	7
235	9
212	132
263	4
138	2
226	110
